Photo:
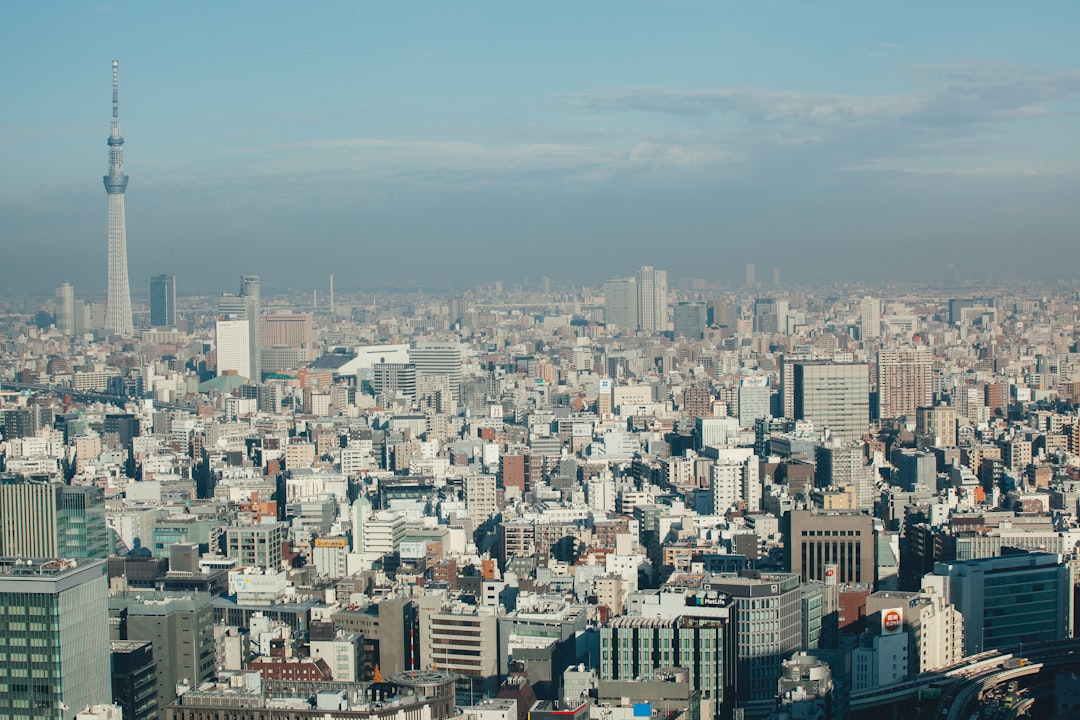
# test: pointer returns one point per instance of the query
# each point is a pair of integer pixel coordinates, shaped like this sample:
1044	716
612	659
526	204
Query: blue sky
447	144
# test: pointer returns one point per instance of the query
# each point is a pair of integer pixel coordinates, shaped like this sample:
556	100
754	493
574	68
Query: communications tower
118	302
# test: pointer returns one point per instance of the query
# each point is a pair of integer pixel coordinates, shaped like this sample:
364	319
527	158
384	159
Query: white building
231	338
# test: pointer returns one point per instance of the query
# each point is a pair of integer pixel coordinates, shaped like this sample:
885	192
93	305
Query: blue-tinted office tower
163	301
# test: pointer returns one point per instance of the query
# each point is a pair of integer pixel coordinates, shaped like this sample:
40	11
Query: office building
434	360
163	301
1009	600
390	381
54	629
250	292
904	379
652	299
459	638
233	352
688	628
770	315
256	546
833	547
869	318
835	397
769	627
118	300
179	626
936	426
621	303
287	329
689	320
845	466
755	396
47	519
134	679
65	309
751	280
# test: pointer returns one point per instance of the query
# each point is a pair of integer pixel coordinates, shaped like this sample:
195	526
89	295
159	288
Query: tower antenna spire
115	89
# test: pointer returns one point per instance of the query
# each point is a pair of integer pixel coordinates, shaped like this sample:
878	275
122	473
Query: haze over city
441	145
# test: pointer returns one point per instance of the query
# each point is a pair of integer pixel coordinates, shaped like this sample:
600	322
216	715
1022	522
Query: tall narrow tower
118	302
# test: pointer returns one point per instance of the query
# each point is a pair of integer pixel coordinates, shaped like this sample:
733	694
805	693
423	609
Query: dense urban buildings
691	496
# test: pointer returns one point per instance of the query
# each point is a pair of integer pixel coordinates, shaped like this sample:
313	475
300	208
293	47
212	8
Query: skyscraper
870	318
163	301
688	320
833	396
46	519
750	280
232	337
65	309
620	303
652	299
118	302
249	290
55	624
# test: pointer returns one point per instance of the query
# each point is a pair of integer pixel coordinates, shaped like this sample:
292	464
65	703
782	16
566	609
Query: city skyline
814	139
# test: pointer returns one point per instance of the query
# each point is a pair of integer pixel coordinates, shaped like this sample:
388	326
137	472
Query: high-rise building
870	318
250	292
620	303
232	338
163	301
652	299
47	519
835	397
846	466
690	629
689	320
750	279
769	626
833	547
770	315
55	627
134	679
65	309
438	359
1008	600
905	380
754	399
180	627
118	302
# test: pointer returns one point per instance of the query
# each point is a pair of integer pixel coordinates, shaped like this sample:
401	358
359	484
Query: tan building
842	543
905	380
937	425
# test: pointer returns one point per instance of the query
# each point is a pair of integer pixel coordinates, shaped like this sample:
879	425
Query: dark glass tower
163	301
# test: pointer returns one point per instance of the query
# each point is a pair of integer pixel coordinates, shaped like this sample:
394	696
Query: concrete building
842	544
689	630
652	299
904	379
936	426
755	395
835	397
769	627
231	338
54	627
180	628
64	315
459	638
620	303
256	546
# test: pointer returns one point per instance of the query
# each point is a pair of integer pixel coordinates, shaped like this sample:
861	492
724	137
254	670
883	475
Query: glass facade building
54	638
